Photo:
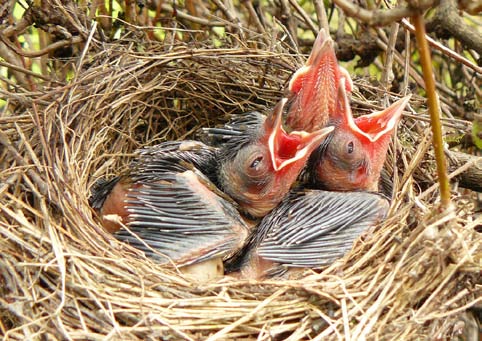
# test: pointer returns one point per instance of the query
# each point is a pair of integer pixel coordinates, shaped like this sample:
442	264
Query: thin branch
254	16
434	109
166	8
231	17
18	28
387	72
321	15
446	16
305	16
26	71
379	17
469	168
41	185
7	54
50	48
445	50
288	20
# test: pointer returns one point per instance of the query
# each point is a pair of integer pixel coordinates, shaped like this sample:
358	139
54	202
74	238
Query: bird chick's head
353	157
261	172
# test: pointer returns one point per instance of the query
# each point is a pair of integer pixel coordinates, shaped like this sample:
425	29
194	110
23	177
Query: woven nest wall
63	277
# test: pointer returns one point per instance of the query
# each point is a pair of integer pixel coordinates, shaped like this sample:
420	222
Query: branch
447	19
41	184
321	15
305	16
470	6
445	50
50	48
14	67
471	177
433	108
380	17
384	17
166	8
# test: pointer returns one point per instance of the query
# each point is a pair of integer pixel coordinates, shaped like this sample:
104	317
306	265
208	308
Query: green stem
434	109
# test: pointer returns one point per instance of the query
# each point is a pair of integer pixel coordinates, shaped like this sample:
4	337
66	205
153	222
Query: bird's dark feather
311	228
173	216
241	130
315	228
173	156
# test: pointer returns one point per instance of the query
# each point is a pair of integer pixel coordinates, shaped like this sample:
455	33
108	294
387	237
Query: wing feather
313	228
181	217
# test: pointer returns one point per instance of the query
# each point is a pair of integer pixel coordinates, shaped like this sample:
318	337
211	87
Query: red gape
261	172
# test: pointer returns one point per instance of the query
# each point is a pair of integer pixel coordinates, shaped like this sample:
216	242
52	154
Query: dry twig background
82	99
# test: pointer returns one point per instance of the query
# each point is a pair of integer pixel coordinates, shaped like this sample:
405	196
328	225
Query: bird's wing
240	129
169	156
172	156
182	217
315	228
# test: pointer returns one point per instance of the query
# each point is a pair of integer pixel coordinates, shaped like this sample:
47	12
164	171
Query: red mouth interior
287	146
371	125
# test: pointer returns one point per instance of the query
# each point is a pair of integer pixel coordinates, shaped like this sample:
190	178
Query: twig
412	71
445	50
384	17
406	64
71	20
446	16
387	73
288	21
51	47
7	55
28	72
434	109
381	17
254	16
304	15
469	167
85	49
166	8
221	333
321	15
42	185
231	17
18	28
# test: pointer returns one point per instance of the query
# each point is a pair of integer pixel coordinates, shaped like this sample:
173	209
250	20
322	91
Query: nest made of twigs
64	277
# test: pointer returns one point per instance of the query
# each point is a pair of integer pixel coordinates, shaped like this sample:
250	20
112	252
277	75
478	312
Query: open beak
314	86
375	125
288	148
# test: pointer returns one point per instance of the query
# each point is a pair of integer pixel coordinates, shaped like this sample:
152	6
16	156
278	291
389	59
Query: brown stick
379	17
446	17
471	178
321	15
433	108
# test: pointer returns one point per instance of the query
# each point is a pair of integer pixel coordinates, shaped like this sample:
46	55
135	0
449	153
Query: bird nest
64	277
